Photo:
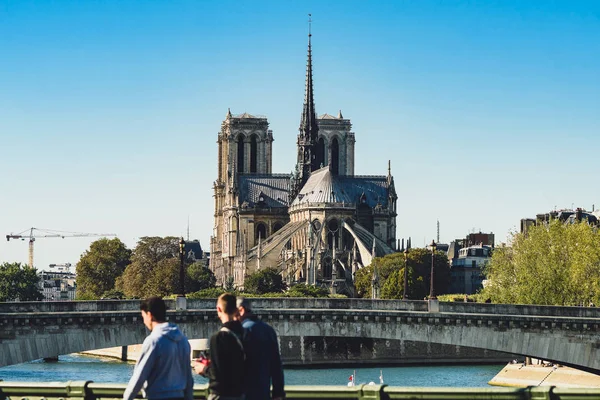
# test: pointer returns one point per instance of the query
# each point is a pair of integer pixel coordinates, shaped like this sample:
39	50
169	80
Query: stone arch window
261	231
321	152
240	154
253	154
277	226
333	233
335	156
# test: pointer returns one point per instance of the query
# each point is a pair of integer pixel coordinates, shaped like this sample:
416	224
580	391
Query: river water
77	367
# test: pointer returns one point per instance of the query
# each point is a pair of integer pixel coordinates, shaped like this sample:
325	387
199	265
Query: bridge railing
87	390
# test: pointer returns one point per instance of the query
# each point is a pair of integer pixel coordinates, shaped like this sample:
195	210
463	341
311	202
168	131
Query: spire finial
309	25
228	112
389	167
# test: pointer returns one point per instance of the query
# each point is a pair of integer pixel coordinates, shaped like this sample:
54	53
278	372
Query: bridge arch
566	335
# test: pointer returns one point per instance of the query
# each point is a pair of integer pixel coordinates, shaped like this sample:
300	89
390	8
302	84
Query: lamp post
405	295
431	290
181	271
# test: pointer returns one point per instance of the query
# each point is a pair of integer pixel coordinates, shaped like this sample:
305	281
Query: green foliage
229	285
264	281
303	290
555	264
154	268
208	293
100	266
393	287
385	266
390	269
213	293
460	298
200	277
113	294
18	282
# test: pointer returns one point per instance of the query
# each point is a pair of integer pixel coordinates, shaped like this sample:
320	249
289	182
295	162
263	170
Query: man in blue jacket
263	361
164	368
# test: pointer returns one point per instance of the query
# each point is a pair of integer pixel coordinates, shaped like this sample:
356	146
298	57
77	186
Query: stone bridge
566	335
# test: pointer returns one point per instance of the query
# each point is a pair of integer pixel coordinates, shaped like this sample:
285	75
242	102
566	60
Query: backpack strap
237	339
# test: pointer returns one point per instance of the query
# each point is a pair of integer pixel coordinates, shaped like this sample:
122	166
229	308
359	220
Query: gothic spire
308	122
308	158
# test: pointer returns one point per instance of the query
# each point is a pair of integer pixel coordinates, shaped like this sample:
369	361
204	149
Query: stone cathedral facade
318	225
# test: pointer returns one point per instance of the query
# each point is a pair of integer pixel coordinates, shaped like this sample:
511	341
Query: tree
209	293
264	281
154	268
554	264
100	266
390	269
229	285
199	277
385	266
19	282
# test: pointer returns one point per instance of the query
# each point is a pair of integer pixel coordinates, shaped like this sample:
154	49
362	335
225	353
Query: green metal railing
87	390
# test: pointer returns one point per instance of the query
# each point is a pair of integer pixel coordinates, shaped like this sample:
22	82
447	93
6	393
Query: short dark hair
227	302
244	302
156	306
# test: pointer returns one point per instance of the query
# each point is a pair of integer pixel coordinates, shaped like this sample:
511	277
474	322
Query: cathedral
318	225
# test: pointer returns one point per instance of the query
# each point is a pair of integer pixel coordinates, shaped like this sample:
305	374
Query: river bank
521	375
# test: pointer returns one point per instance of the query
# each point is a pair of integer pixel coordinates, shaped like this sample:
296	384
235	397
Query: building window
253	154
277	226
333	234
261	231
240	154
321	152
335	157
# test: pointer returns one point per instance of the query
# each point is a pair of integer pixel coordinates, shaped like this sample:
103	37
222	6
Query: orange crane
47	233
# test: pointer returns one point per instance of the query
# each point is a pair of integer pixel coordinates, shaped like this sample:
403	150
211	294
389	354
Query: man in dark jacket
263	362
225	371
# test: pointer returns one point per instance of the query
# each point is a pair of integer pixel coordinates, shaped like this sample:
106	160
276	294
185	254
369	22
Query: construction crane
48	233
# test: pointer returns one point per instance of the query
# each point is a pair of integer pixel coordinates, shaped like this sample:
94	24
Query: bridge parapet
520	309
87	390
309	303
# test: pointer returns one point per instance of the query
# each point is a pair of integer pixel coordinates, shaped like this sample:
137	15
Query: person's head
244	307
226	309
154	310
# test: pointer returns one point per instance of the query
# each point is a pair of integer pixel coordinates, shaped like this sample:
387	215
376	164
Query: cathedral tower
245	148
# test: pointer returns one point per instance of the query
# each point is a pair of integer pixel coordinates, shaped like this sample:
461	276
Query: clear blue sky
109	110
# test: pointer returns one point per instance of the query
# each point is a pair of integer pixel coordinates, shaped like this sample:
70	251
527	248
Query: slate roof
274	188
193	249
324	187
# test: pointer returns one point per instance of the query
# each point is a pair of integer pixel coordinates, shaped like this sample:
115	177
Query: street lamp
181	271
405	296
432	246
